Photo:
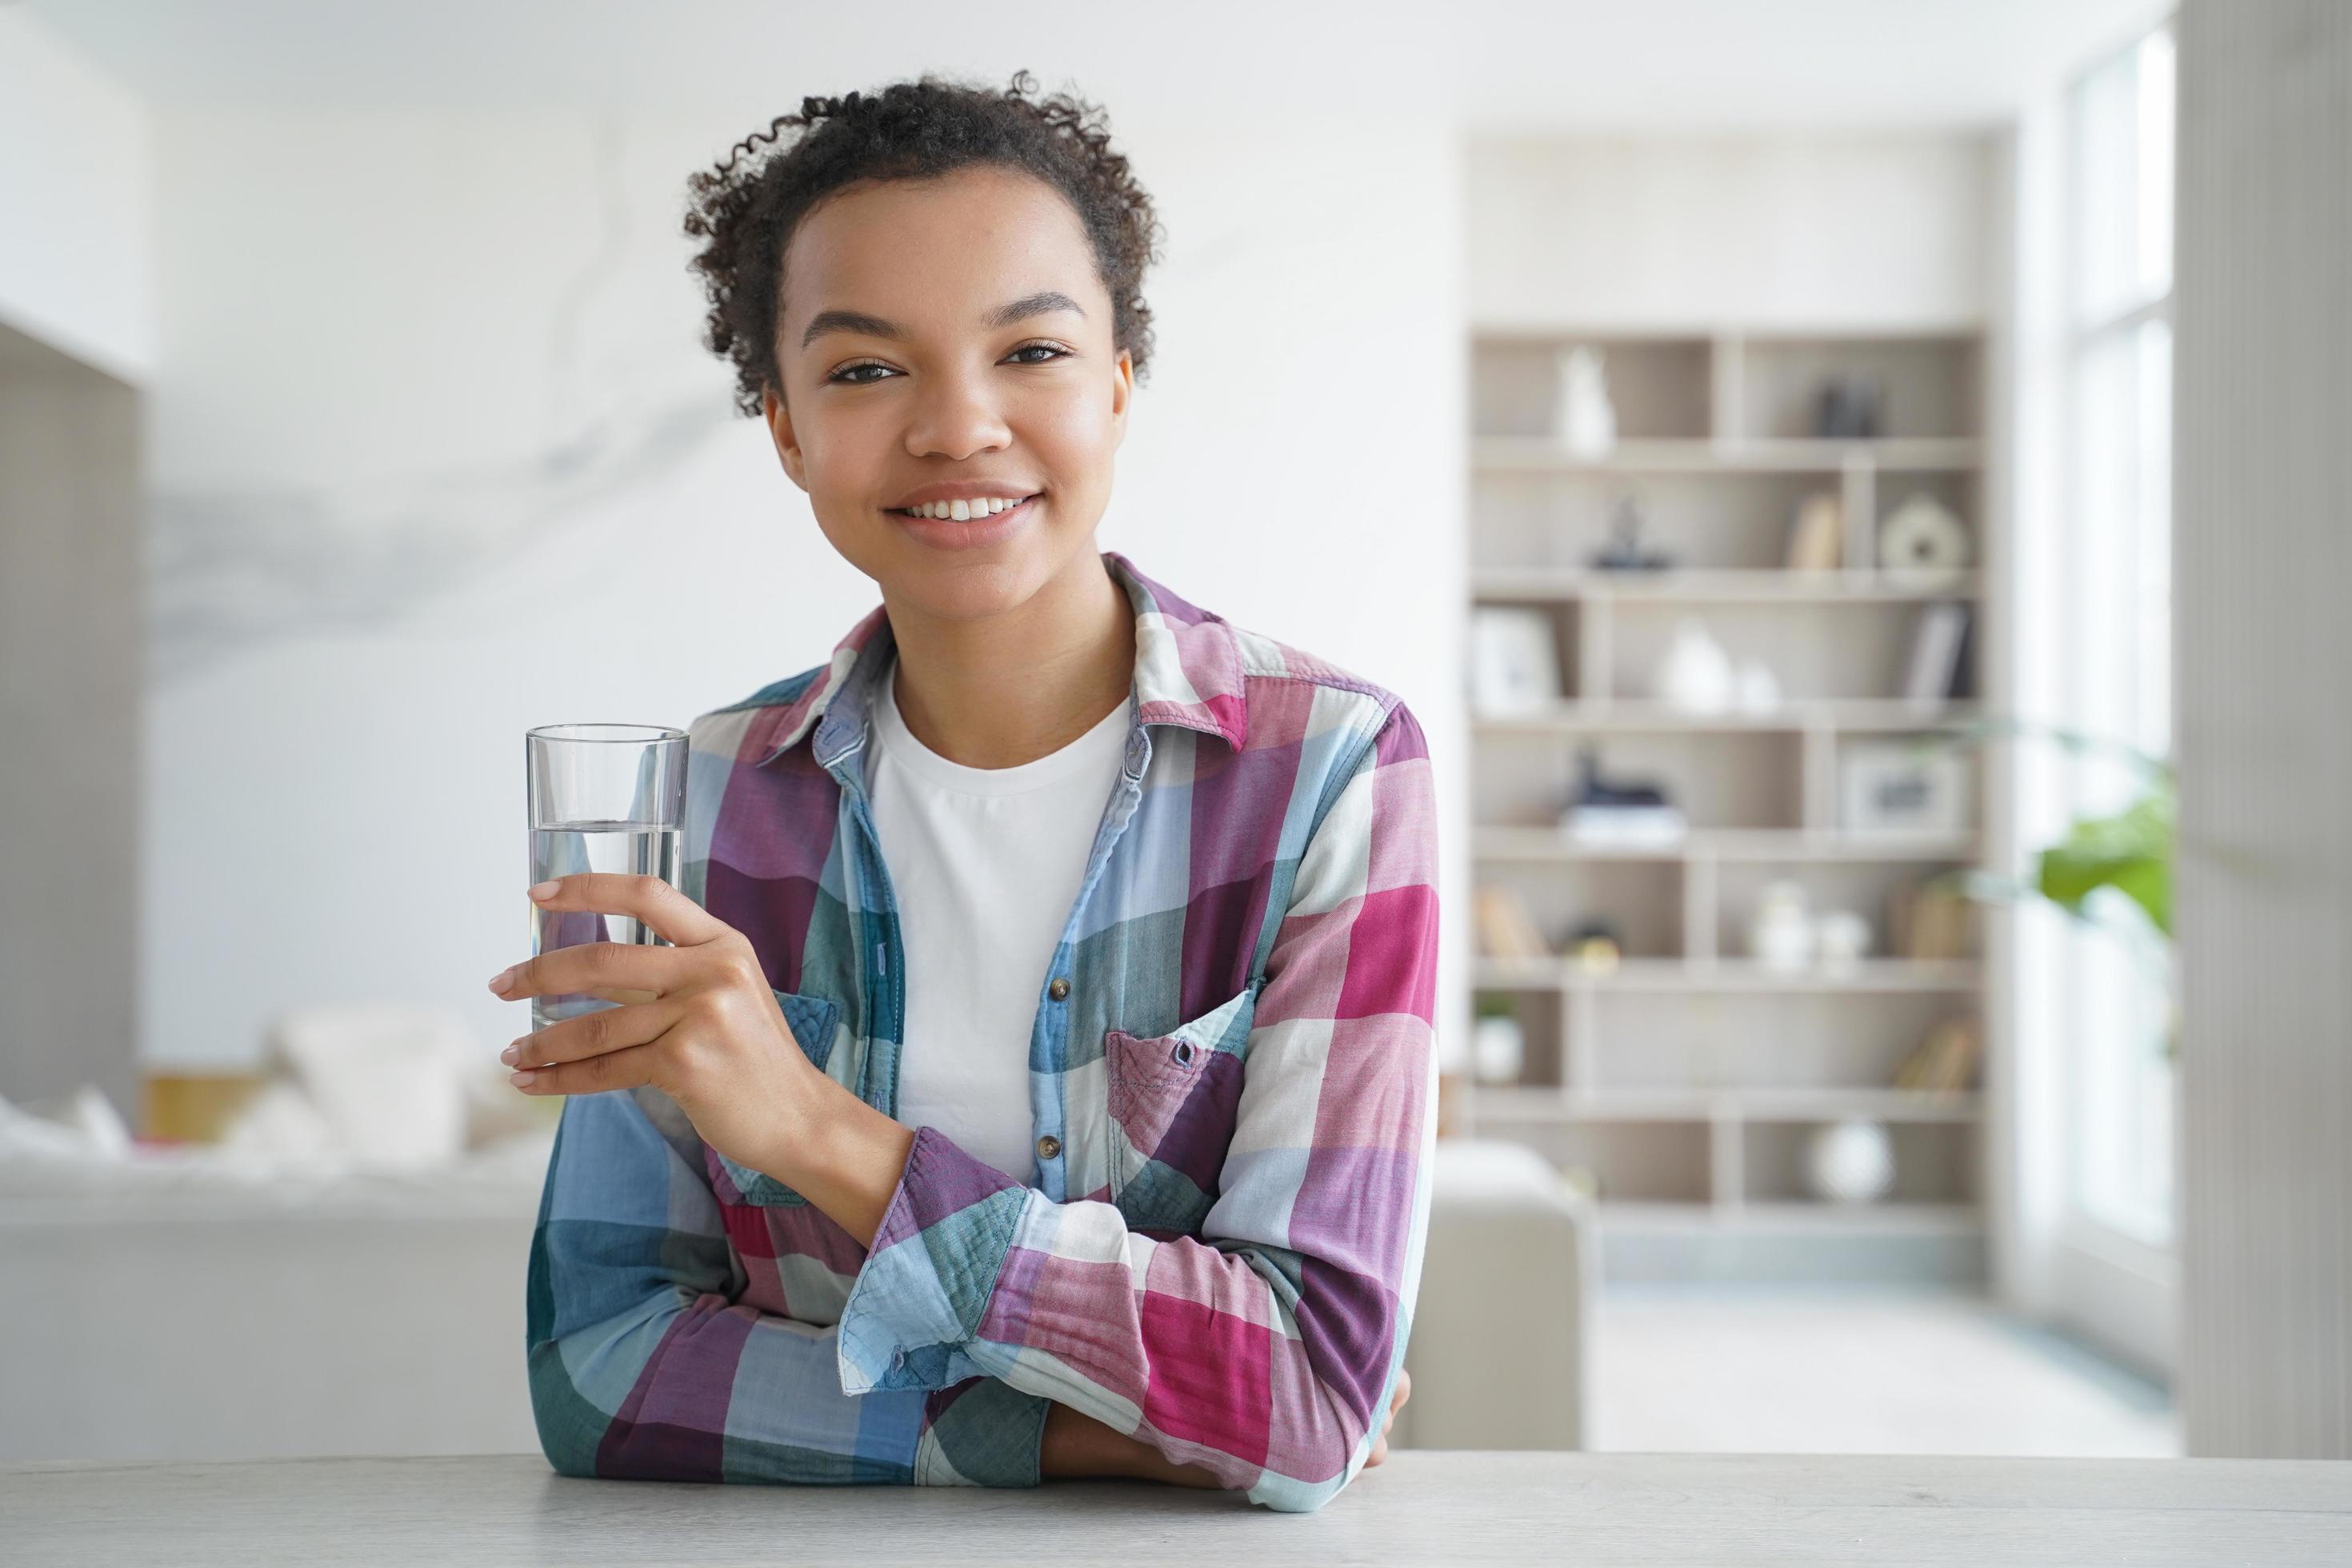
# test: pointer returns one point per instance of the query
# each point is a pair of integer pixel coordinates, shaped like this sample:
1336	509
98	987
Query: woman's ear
780	427
1122	389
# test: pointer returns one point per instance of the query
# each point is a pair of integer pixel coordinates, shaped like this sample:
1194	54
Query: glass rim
638	735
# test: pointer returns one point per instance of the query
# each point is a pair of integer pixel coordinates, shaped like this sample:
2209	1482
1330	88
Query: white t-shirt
986	864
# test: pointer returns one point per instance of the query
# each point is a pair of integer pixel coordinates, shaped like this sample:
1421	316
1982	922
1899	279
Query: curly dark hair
747	210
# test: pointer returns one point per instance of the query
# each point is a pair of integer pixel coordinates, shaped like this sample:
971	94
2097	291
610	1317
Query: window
2115	994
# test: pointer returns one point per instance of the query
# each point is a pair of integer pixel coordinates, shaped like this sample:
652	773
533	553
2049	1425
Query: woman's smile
971	530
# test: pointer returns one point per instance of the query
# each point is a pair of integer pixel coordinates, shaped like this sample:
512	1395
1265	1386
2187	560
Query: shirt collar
1187	673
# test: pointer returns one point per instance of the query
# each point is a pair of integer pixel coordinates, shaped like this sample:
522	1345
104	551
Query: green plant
2131	850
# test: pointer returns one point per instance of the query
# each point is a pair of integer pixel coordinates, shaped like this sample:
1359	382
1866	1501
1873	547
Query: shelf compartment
1643	900
1542	1015
1931	385
1857	656
1866	884
1660	388
1525	772
1936	1162
1707	519
1660	1161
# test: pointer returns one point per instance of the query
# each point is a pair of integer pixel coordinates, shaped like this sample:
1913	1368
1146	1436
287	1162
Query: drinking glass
603	797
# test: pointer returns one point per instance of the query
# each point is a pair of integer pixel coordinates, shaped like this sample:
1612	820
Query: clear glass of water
603	797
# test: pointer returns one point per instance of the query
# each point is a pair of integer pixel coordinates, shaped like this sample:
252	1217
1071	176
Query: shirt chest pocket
1174	1098
814	1021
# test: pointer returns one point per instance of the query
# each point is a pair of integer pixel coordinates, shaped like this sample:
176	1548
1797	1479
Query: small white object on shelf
1696	675
1498	1048
1780	933
1626	827
1841	937
1922	536
1850	1161
1759	689
1588	420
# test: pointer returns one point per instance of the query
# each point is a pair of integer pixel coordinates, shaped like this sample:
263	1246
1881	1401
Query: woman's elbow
569	1431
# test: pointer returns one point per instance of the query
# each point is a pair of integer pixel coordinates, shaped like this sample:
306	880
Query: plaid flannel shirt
1233	1077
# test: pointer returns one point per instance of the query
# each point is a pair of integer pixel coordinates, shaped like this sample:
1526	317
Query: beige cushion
1503	1318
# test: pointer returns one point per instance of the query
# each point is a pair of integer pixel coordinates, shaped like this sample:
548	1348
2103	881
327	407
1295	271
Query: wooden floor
1865	1370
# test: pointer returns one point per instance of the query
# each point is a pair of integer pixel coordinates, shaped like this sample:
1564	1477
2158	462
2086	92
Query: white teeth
964	511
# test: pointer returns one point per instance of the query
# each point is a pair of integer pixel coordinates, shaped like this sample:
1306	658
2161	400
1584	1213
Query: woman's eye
848	376
1051	350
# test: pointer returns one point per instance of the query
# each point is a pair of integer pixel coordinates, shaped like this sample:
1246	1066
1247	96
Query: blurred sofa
370	1310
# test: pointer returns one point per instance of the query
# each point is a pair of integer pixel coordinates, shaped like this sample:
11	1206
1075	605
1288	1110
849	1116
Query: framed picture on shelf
1886	787
1513	662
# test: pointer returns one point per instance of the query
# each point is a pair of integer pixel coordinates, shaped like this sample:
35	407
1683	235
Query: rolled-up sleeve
643	1367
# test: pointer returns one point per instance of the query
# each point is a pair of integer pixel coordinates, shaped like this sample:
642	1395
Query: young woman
1040	1082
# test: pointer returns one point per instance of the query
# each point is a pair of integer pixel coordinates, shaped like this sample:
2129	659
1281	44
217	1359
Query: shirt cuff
982	1433
918	1297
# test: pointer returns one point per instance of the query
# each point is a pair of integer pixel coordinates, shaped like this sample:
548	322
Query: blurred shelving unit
1686	1080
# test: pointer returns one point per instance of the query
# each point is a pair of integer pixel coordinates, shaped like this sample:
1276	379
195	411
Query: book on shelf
1930	919
1946	1061
1506	929
1936	675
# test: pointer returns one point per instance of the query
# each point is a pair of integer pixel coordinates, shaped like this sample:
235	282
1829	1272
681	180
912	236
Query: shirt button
1059	989
1048	1146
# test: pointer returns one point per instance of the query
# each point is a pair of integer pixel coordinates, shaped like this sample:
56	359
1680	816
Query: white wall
75	264
438	457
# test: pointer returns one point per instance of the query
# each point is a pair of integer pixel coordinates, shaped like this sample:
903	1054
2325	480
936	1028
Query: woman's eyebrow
1038	304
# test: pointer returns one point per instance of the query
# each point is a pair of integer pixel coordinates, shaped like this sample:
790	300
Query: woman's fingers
622	1069
1396	1402
664	910
604	969
596	1034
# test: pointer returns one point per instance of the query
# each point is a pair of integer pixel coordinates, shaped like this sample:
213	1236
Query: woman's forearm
1078	1445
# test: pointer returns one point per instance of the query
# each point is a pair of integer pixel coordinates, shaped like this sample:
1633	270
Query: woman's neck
1006	690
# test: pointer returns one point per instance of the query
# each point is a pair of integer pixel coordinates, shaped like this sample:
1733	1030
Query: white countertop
1418	1507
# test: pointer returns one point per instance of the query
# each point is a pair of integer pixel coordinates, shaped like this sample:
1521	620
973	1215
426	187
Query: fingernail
521	1077
502	979
510	1055
543	891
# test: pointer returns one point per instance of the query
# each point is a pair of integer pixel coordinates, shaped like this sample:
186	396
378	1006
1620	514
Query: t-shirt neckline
1106	740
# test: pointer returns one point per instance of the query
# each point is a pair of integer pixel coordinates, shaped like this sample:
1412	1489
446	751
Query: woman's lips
947	533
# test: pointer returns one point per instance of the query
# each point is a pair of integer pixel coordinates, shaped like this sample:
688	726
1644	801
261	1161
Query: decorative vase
1851	1161
1922	537
1696	675
1588	420
1780	934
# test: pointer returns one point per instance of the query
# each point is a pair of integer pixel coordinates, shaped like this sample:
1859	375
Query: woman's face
947	340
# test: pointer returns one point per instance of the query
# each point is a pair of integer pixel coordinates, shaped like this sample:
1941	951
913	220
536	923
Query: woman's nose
954	417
